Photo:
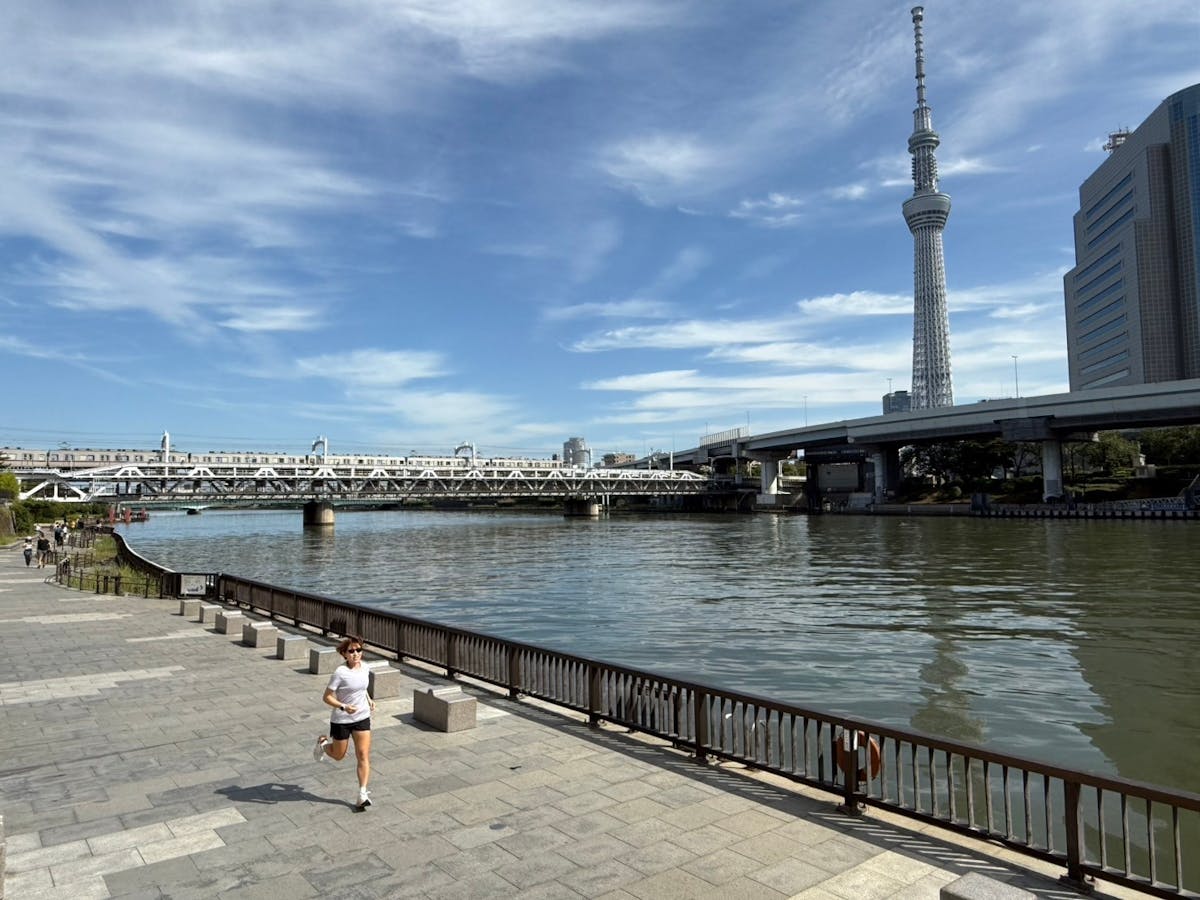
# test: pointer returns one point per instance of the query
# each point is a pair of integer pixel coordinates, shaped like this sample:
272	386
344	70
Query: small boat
193	510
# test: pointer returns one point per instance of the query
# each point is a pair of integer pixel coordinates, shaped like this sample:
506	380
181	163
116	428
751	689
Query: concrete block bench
291	646
384	682
229	622
208	612
974	886
322	660
189	608
444	708
259	634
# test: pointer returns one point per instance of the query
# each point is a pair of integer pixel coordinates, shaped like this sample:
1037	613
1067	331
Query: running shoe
319	749
364	798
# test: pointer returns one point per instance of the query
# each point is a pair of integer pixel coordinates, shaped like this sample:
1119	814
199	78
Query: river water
1075	642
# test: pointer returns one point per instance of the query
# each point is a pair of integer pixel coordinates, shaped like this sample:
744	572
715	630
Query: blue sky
403	225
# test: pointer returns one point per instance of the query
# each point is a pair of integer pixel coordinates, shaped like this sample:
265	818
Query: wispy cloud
633	308
279	318
776	209
373	368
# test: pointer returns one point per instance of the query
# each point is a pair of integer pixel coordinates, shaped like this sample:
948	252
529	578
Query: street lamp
806	410
1016	380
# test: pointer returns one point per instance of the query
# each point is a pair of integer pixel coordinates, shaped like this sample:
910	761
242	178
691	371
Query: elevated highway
1049	420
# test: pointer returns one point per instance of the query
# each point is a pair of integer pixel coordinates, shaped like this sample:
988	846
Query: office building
1132	309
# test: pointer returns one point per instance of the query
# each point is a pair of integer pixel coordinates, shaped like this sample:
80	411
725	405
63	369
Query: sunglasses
354	649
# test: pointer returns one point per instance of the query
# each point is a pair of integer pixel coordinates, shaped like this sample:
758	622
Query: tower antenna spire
926	212
918	16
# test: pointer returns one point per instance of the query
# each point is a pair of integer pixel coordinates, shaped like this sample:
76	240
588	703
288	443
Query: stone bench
208	612
259	634
444	708
384	682
291	646
229	622
974	886
322	660
189	608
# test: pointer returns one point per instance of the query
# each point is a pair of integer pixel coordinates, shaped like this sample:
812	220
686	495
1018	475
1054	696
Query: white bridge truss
159	483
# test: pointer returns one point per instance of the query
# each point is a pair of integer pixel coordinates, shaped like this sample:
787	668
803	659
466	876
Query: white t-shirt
350	687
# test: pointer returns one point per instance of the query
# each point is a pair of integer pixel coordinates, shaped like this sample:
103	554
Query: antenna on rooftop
1116	139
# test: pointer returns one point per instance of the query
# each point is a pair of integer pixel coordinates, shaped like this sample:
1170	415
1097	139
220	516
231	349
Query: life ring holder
844	753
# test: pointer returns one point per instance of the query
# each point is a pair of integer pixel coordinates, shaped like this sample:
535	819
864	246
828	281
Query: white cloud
776	209
633	308
373	368
856	303
657	165
679	335
279	318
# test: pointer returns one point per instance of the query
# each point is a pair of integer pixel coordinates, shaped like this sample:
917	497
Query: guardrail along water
1127	832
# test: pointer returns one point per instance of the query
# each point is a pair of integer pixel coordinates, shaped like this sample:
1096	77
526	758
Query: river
1074	642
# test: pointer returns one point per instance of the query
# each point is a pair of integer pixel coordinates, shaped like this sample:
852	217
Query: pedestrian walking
28	550
60	535
350	720
43	550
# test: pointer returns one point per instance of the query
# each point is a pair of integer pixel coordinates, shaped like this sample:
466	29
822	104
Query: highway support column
1052	479
768	476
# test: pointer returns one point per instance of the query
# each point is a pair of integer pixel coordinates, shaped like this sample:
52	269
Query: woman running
351	717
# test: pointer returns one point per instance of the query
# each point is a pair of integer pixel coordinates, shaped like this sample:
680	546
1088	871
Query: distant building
1132	307
896	402
576	452
617	459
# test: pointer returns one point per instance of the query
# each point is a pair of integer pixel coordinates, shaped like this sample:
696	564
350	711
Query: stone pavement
145	755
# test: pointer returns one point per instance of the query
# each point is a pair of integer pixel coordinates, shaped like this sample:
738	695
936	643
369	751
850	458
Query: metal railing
1139	835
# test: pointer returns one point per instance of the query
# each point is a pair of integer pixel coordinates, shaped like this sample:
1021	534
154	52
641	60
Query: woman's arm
330	699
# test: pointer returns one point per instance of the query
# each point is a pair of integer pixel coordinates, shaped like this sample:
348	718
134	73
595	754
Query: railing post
700	714
593	694
450	660
1072	822
117	585
849	745
514	673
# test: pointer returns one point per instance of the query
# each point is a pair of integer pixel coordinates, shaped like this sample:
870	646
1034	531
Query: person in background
351	716
43	549
28	550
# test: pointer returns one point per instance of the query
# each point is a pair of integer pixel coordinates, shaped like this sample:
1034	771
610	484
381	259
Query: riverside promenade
146	755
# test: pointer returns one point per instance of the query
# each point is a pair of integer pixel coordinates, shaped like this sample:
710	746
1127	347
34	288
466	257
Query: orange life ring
874	756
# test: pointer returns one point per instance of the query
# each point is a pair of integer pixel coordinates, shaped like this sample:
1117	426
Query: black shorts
340	731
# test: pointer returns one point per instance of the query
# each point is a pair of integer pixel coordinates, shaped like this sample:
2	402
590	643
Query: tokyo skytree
926	213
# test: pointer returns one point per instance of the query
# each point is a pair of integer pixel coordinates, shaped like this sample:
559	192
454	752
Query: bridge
1049	420
162	483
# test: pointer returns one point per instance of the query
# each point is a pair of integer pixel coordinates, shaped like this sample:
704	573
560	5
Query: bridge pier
318	514
581	508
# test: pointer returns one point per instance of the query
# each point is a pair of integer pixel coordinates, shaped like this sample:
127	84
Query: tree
1171	446
10	487
1112	451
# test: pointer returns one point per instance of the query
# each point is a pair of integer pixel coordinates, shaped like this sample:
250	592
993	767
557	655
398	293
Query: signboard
193	585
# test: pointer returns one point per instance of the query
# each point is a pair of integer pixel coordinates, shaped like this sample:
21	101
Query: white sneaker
364	798
319	749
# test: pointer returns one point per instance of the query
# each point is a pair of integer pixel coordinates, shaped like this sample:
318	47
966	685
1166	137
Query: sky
408	224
